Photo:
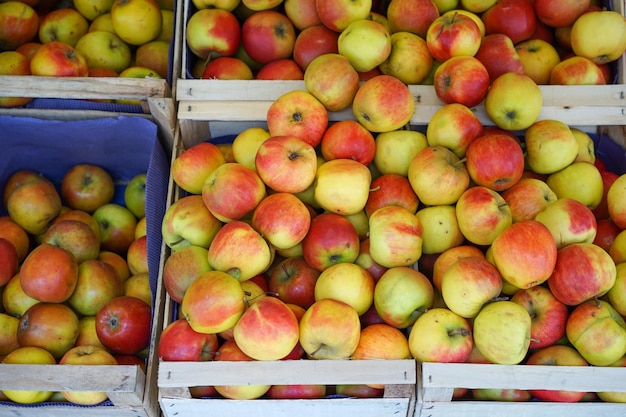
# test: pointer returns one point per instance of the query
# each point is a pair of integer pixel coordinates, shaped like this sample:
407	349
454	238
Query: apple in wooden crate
461	79
409	60
65	25
282	219
528	197
230	351
577	70
448	257
187	222
391	189
19	24
440	229
396	237
268	35
590	36
312	42
14	63
342	186
395	150
28	355
412	16
347	282
337	15
86	355
331	239
616	199
298	113
538	58
213	32
453	35
51	326
332	79
293	281
123	325
569	221
366	44
454	126
513	102
482	215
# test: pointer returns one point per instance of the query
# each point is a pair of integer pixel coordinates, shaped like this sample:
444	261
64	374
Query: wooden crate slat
521	409
71	411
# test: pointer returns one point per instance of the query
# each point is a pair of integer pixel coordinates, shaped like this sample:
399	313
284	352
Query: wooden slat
520	409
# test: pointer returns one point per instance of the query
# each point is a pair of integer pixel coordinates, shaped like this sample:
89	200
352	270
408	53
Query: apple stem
461	161
500	298
375	189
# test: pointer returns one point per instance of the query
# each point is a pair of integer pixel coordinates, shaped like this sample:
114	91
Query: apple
358	391
49	274
102	22
401	295
348	139
34	205
495	161
569	221
482	214
138	285
440	229
76	237
117	227
438	176
346	282
586	146
498	54
28	355
268	35
8	333
331	239
227	68
14	300
590	42
87	332
188	221
560	14
302	14
577	70
612	396
440	335
51	326
365	260
230	351
597	332
16	180
538	58
228	179
286	164
454	126
409	60
366	43
123	325
298	113
91	356
500	17
615	295
213	302
396	236
91	10
14	63
342	186
282	219
501	394
19	23
65	25
135	196
501	332
213	32
337	15
281	69
527	198
312	41
97	284
154	55
267	330
136	22
514	101
297	391
616	201
461	79
448	257
395	150
580	181
617	251
453	35
391	189
542	138
412	16
293	281
87	187
245	145
179	342
383	103
606	232
332	79
329	329
9	261
583	271
382	341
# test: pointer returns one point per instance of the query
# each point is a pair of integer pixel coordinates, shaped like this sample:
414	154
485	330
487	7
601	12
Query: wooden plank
521	409
60	410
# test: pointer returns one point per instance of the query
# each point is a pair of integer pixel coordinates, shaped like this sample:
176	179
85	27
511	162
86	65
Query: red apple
454	126
331	239
359	391
391	189
280	69
213	32
230	351
601	211
283	219
227	68
559	14
87	187
58	59
482	214
297	391
182	267
498	54
19	23
348	139
514	18
268	35
364	259
179	342
49	274
606	232
15	234
312	42
461	79
412	16
495	161
336	15
293	280
577	70
9	261
527	198
51	326
123	325
193	165
453	35
302	13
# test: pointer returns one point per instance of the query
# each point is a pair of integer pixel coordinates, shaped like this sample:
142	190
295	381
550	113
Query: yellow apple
86	355
14	63
599	35
366	43
580	181
342	186
347	282
246	144
409	60
29	355
586	147
395	150
616	201
440	228
92	9
550	146
103	49
136	21
514	101
617	294
396	236
538	58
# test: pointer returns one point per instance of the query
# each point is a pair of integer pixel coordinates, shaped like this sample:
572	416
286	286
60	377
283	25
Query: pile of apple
73	275
567	42
108	38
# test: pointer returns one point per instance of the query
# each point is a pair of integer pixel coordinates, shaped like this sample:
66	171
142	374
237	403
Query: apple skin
267	330
583	271
482	214
280	69
342	186
383	103
440	229
97	284
528	197
123	325
454	126
560	14
580	181
495	161
58	59
302	13
268	35
117	227
312	42
298	113
577	70
382	341
191	167
337	15
396	236
606	232
498	54
282	219
230	351
601	211
9	261
499	18
412	16
52	326
391	189
87	187
548	315
401	295
189	222
49	274
409	60
532	239
75	236
19	23
16	180
213	303
29	355
569	221
14	300
438	176
461	79
14	63
440	335
227	68
542	138
286	164
65	25
293	280
611	396
86	355
320	339
331	239
350	140
34	205
597	331
447	258
596	45
395	150
616	201
514	101
213	32
453	35
538	57
15	234
8	333
297	391
347	282
135	195
332	79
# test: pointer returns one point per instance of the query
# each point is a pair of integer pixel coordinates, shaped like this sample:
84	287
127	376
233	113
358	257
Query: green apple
580	181
366	43
135	195
514	101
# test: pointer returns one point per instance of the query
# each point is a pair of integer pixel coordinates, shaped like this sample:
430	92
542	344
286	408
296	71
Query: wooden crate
132	392
437	382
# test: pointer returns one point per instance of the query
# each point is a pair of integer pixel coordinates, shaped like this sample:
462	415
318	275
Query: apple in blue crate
412	16
281	69
138	286
65	25
78	215
337	15
191	168
33	205
401	295
118	262
28	355
182	267
366	44
188	222
154	55
136	22
9	260
8	333
87	332
298	113
16	180
137	256
513	102
52	326
395	150
268	35
616	201
49	273
179	342
599	35
283	219
569	221
117	227
74	236
58	59
331	239
396	236
286	164
86	355
123	325
135	195
577	70
97	284
87	187
528	197
312	42
92	9
213	32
